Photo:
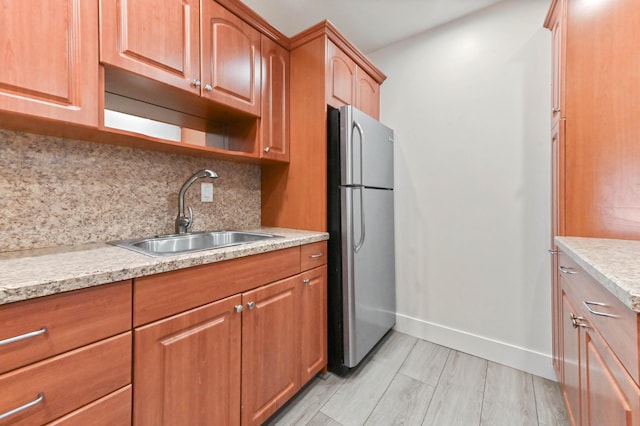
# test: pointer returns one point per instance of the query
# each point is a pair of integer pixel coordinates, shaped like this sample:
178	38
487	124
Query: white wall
469	102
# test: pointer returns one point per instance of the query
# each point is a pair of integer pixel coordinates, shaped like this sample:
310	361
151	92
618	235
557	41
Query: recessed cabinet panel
313	320
158	39
341	76
230	59
50	70
275	101
368	94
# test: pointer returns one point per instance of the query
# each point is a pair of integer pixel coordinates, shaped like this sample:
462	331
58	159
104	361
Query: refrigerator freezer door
368	269
366	150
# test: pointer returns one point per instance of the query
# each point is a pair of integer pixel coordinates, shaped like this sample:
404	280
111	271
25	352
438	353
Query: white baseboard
500	352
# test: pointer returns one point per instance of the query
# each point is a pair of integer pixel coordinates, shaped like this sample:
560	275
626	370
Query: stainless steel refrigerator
361	280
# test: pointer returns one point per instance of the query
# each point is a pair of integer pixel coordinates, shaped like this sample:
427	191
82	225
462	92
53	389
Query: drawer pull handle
566	270
553	251
587	304
23	336
23	407
317	255
306	281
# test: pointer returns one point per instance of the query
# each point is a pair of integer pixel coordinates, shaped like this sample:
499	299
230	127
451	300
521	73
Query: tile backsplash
56	191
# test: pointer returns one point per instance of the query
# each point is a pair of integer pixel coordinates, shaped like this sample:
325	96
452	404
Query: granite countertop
613	263
34	273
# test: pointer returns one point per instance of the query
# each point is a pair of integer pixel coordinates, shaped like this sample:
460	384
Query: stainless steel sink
167	245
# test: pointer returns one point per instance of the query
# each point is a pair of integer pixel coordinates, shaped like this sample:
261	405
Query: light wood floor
408	381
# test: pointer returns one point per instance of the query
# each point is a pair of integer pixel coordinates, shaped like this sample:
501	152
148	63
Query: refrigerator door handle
358	127
360	243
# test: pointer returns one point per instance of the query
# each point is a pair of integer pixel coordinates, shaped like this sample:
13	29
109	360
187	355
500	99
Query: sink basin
167	245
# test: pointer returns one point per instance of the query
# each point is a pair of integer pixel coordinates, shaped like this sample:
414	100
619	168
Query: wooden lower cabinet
187	367
270	348
236	360
597	388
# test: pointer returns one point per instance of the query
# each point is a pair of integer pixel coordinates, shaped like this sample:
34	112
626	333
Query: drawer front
62	322
617	324
313	255
162	295
111	410
66	382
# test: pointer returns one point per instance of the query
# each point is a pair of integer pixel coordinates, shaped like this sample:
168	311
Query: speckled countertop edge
35	273
613	263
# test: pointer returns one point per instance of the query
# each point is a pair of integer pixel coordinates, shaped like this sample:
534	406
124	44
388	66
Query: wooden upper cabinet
556	22
230	59
274	124
341	77
159	39
49	64
367	94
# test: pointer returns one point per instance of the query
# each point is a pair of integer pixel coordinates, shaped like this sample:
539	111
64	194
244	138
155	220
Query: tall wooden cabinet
324	71
50	71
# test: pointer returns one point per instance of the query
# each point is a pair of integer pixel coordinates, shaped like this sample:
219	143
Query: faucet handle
190	220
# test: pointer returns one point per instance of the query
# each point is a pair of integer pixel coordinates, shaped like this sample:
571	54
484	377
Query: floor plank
301	409
394	349
425	362
404	403
509	398
457	399
358	396
322	420
549	404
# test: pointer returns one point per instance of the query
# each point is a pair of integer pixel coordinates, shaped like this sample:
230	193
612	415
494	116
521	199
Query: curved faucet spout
182	221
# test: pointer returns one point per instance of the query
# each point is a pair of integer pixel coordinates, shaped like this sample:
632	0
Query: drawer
616	323
66	382
162	295
111	410
66	321
313	255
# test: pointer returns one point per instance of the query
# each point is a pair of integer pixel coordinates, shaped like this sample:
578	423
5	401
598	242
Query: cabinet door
187	367
341	77
610	396
230	59
49	59
313	322
367	94
159	39
270	348
557	25
274	124
570	360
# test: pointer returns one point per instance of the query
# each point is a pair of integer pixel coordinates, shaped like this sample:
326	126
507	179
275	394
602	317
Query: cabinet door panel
230	59
610	396
367	94
187	367
49	59
158	39
341	77
313	321
570	361
274	123
270	348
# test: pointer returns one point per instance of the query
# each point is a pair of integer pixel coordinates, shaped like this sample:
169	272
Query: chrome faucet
182	221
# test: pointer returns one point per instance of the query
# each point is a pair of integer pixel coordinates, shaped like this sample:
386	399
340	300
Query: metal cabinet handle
23	336
555	110
567	270
238	308
30	404
306	281
267	149
196	83
576	321
208	87
553	251
587	304
317	255
251	305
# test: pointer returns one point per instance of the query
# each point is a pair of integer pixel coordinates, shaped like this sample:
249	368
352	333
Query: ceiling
369	24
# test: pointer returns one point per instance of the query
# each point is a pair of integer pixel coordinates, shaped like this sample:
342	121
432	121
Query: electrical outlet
206	192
